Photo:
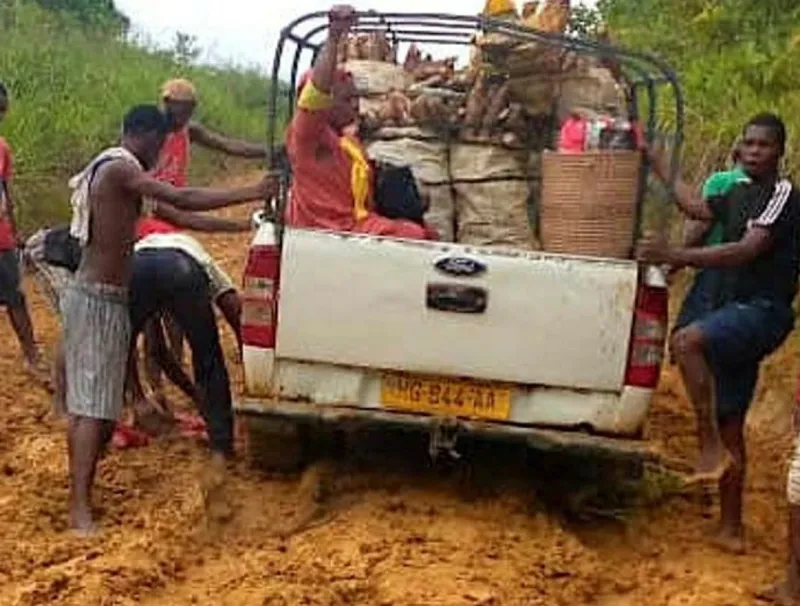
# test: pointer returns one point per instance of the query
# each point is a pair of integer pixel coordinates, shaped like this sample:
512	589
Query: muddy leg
86	438
793	567
788	591
175	336
152	368
59	378
230	305
688	347
731	487
21	321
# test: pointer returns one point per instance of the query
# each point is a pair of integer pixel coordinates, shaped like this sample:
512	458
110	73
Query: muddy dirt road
396	533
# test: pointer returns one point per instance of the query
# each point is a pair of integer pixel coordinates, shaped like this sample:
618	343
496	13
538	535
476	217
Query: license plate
452	397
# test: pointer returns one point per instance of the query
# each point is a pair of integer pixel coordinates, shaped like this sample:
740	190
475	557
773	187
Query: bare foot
778	594
81	522
730	541
152	420
213	488
713	465
161	402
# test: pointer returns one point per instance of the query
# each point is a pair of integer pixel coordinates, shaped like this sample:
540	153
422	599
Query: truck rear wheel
275	445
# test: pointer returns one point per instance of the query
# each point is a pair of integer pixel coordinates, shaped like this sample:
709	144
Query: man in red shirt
332	179
11	296
162	225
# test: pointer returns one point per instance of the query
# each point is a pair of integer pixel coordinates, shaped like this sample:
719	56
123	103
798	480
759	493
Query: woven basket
588	203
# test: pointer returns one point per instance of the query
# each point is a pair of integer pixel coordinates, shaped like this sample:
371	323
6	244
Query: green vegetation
72	74
735	58
73	70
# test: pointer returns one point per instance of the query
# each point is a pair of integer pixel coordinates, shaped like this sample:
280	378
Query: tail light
649	332
261	285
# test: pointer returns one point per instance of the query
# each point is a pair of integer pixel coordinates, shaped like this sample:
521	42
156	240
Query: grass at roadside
70	87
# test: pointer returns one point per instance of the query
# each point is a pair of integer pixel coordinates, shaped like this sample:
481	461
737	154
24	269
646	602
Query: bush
735	58
70	87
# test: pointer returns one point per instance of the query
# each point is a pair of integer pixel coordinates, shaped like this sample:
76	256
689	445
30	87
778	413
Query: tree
186	50
585	21
734	57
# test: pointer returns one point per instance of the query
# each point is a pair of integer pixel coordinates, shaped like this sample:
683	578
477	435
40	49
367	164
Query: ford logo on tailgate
460	266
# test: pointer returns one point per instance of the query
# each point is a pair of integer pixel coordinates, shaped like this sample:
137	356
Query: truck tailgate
363	301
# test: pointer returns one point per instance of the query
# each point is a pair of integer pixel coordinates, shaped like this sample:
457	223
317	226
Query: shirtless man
97	328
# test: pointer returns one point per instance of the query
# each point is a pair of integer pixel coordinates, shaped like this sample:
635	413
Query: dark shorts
10	292
701	298
738	336
161	277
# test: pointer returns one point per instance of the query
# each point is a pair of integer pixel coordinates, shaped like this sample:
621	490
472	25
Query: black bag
397	195
62	249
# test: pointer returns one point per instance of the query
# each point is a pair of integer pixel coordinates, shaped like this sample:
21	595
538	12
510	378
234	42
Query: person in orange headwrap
162	225
332	178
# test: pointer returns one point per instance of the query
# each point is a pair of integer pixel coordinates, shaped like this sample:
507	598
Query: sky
244	31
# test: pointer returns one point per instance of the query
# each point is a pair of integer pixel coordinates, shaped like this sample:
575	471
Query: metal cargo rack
303	38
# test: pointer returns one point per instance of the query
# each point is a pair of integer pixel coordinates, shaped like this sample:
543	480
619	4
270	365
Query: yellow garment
359	178
499	8
179	89
313	100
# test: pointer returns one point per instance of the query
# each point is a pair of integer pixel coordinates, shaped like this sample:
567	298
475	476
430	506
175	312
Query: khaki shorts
219	281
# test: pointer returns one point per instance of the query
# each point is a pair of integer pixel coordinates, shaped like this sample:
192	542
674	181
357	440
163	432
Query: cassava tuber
498	100
476	106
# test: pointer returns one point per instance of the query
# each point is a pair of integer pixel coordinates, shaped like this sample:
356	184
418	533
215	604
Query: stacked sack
473	137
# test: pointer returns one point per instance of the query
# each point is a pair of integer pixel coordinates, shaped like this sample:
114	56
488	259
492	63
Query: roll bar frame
643	73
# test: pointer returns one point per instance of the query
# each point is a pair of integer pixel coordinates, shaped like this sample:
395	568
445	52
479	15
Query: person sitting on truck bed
720	352
332	180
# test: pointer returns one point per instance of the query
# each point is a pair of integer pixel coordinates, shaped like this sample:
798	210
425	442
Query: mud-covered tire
275	445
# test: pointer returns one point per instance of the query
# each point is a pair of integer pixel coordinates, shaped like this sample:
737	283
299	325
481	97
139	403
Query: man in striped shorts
720	351
107	199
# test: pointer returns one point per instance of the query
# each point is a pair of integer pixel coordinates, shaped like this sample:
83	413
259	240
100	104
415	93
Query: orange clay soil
389	532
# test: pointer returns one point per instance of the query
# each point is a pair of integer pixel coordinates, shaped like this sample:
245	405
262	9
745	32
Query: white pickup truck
453	338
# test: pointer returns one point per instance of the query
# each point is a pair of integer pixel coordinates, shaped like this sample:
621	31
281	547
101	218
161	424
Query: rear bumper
620	413
544	439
